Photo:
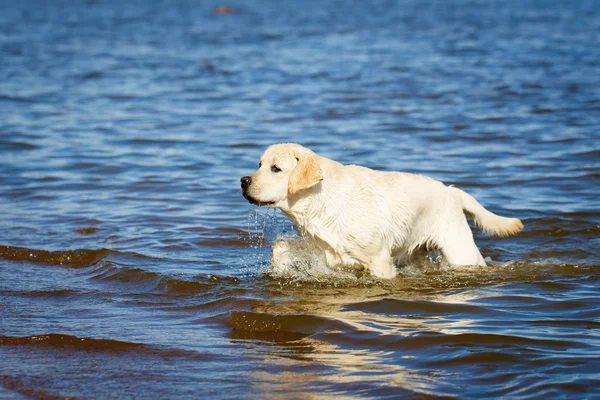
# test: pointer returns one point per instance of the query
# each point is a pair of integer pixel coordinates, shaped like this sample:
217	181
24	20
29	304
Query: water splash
297	259
277	250
264	226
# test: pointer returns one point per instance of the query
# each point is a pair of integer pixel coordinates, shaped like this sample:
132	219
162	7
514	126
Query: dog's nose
246	181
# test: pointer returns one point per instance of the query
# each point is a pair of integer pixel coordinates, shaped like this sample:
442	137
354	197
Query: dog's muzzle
246	181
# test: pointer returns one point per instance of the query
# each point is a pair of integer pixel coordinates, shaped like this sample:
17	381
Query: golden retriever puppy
357	215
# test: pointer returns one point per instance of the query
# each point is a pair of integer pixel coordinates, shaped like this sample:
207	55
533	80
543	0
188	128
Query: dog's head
284	170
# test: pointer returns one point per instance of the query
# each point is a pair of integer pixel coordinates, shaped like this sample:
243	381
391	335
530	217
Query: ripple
252	322
63	342
128	127
9	146
46	294
421	308
69	258
420	342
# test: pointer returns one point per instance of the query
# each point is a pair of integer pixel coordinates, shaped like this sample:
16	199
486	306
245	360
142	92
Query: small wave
113	273
567	323
109	266
44	294
196	285
17	99
229	237
228	303
560	228
92	75
467	340
78	258
420	308
498	360
68	258
225	242
6	145
542	111
141	280
24	387
280	327
69	342
478	358
174	286
244	145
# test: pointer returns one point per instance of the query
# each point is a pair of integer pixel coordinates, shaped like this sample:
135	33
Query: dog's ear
307	173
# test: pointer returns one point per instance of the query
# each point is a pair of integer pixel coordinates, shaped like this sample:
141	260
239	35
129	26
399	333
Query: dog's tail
486	220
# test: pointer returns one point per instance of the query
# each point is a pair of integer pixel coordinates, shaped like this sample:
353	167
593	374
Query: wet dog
359	216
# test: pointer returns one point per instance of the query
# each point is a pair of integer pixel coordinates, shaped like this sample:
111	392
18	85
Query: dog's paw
282	257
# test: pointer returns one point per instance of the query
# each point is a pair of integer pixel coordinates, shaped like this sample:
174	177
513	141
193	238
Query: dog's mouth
256	202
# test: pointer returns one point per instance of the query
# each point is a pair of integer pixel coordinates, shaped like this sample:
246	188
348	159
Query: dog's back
407	212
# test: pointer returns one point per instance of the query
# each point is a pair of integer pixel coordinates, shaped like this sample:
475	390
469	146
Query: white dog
357	215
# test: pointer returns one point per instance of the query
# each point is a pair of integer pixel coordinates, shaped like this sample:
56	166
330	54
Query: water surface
131	266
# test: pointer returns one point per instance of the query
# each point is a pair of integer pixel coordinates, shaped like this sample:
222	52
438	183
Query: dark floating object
223	10
86	231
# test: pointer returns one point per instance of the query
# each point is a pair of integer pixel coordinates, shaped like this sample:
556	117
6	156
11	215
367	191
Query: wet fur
357	215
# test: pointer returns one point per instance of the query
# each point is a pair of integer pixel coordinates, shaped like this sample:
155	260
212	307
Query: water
132	267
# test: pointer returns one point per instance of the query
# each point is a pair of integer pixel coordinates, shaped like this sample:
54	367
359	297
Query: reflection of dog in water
358	216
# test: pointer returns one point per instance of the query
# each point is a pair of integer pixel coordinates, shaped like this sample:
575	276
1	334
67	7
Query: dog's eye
275	168
259	164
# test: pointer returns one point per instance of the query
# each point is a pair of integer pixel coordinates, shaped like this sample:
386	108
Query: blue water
132	267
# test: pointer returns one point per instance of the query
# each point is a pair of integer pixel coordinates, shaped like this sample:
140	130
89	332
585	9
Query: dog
359	216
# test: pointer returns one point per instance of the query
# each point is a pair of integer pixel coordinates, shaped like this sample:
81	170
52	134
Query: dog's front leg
382	265
282	257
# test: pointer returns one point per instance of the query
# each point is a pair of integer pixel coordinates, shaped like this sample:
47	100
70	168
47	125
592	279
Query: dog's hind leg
458	247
